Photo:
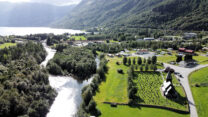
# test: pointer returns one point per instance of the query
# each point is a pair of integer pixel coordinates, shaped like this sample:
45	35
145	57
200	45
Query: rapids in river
69	90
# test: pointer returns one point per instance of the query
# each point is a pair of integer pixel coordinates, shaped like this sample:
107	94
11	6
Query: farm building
186	51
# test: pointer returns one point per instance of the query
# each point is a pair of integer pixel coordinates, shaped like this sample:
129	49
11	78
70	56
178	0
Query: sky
55	2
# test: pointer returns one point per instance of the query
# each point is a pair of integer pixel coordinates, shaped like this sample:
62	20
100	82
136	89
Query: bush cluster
73	60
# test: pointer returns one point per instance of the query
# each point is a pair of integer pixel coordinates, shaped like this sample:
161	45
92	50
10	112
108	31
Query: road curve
185	72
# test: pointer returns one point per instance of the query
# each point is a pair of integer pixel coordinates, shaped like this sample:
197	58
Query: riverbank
69	90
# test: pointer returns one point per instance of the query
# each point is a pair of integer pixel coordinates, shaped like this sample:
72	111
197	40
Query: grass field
166	58
148	85
7	45
200	93
114	89
78	38
126	111
201	59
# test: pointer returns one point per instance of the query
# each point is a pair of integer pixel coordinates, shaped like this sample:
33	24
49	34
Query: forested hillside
171	14
24	86
31	14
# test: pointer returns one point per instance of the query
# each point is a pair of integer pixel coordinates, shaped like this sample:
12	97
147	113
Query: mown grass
2	46
114	89
126	111
78	38
201	59
166	58
200	94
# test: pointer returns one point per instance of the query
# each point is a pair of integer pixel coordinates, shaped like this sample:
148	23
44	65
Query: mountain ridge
170	14
31	14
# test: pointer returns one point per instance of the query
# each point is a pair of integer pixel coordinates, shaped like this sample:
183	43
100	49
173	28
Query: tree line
88	106
118	47
145	64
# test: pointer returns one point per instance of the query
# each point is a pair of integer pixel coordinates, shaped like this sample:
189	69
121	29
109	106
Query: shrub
120	71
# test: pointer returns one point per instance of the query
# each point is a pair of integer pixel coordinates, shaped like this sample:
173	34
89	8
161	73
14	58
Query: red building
186	51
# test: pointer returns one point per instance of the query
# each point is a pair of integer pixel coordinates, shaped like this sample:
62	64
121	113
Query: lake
5	31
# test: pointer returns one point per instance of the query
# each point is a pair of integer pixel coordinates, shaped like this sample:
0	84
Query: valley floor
114	89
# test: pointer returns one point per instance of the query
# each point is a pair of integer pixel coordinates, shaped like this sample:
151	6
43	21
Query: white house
149	39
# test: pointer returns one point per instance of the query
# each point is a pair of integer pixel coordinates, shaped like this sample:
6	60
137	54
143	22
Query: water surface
5	31
69	91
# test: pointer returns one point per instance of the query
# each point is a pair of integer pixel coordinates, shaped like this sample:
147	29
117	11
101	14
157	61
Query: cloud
14	1
55	2
58	2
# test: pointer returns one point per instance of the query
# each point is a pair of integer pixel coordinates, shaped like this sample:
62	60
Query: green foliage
134	14
200	95
24	87
154	59
124	60
129	61
139	60
179	59
73	60
89	105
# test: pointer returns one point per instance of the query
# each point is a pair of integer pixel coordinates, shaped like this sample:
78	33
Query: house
163	53
205	48
168	88
126	50
186	51
149	39
189	35
118	55
170	49
139	40
142	51
110	55
122	53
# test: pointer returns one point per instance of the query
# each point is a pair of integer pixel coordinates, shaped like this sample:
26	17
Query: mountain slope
30	14
172	14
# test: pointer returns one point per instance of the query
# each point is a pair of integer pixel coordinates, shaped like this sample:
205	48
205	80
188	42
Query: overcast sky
55	2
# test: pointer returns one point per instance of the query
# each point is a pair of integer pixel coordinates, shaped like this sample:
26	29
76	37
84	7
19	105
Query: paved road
185	72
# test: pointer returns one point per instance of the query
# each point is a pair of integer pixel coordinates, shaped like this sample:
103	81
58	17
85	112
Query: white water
69	91
5	31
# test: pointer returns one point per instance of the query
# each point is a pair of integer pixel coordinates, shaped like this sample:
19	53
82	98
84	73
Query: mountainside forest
160	14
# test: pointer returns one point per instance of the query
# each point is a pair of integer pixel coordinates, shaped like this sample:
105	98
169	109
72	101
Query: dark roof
169	77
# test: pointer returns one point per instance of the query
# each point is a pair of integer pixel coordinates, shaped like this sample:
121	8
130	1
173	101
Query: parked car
176	73
180	76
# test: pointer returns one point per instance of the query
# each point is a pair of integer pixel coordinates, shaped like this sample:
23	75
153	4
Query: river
69	91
